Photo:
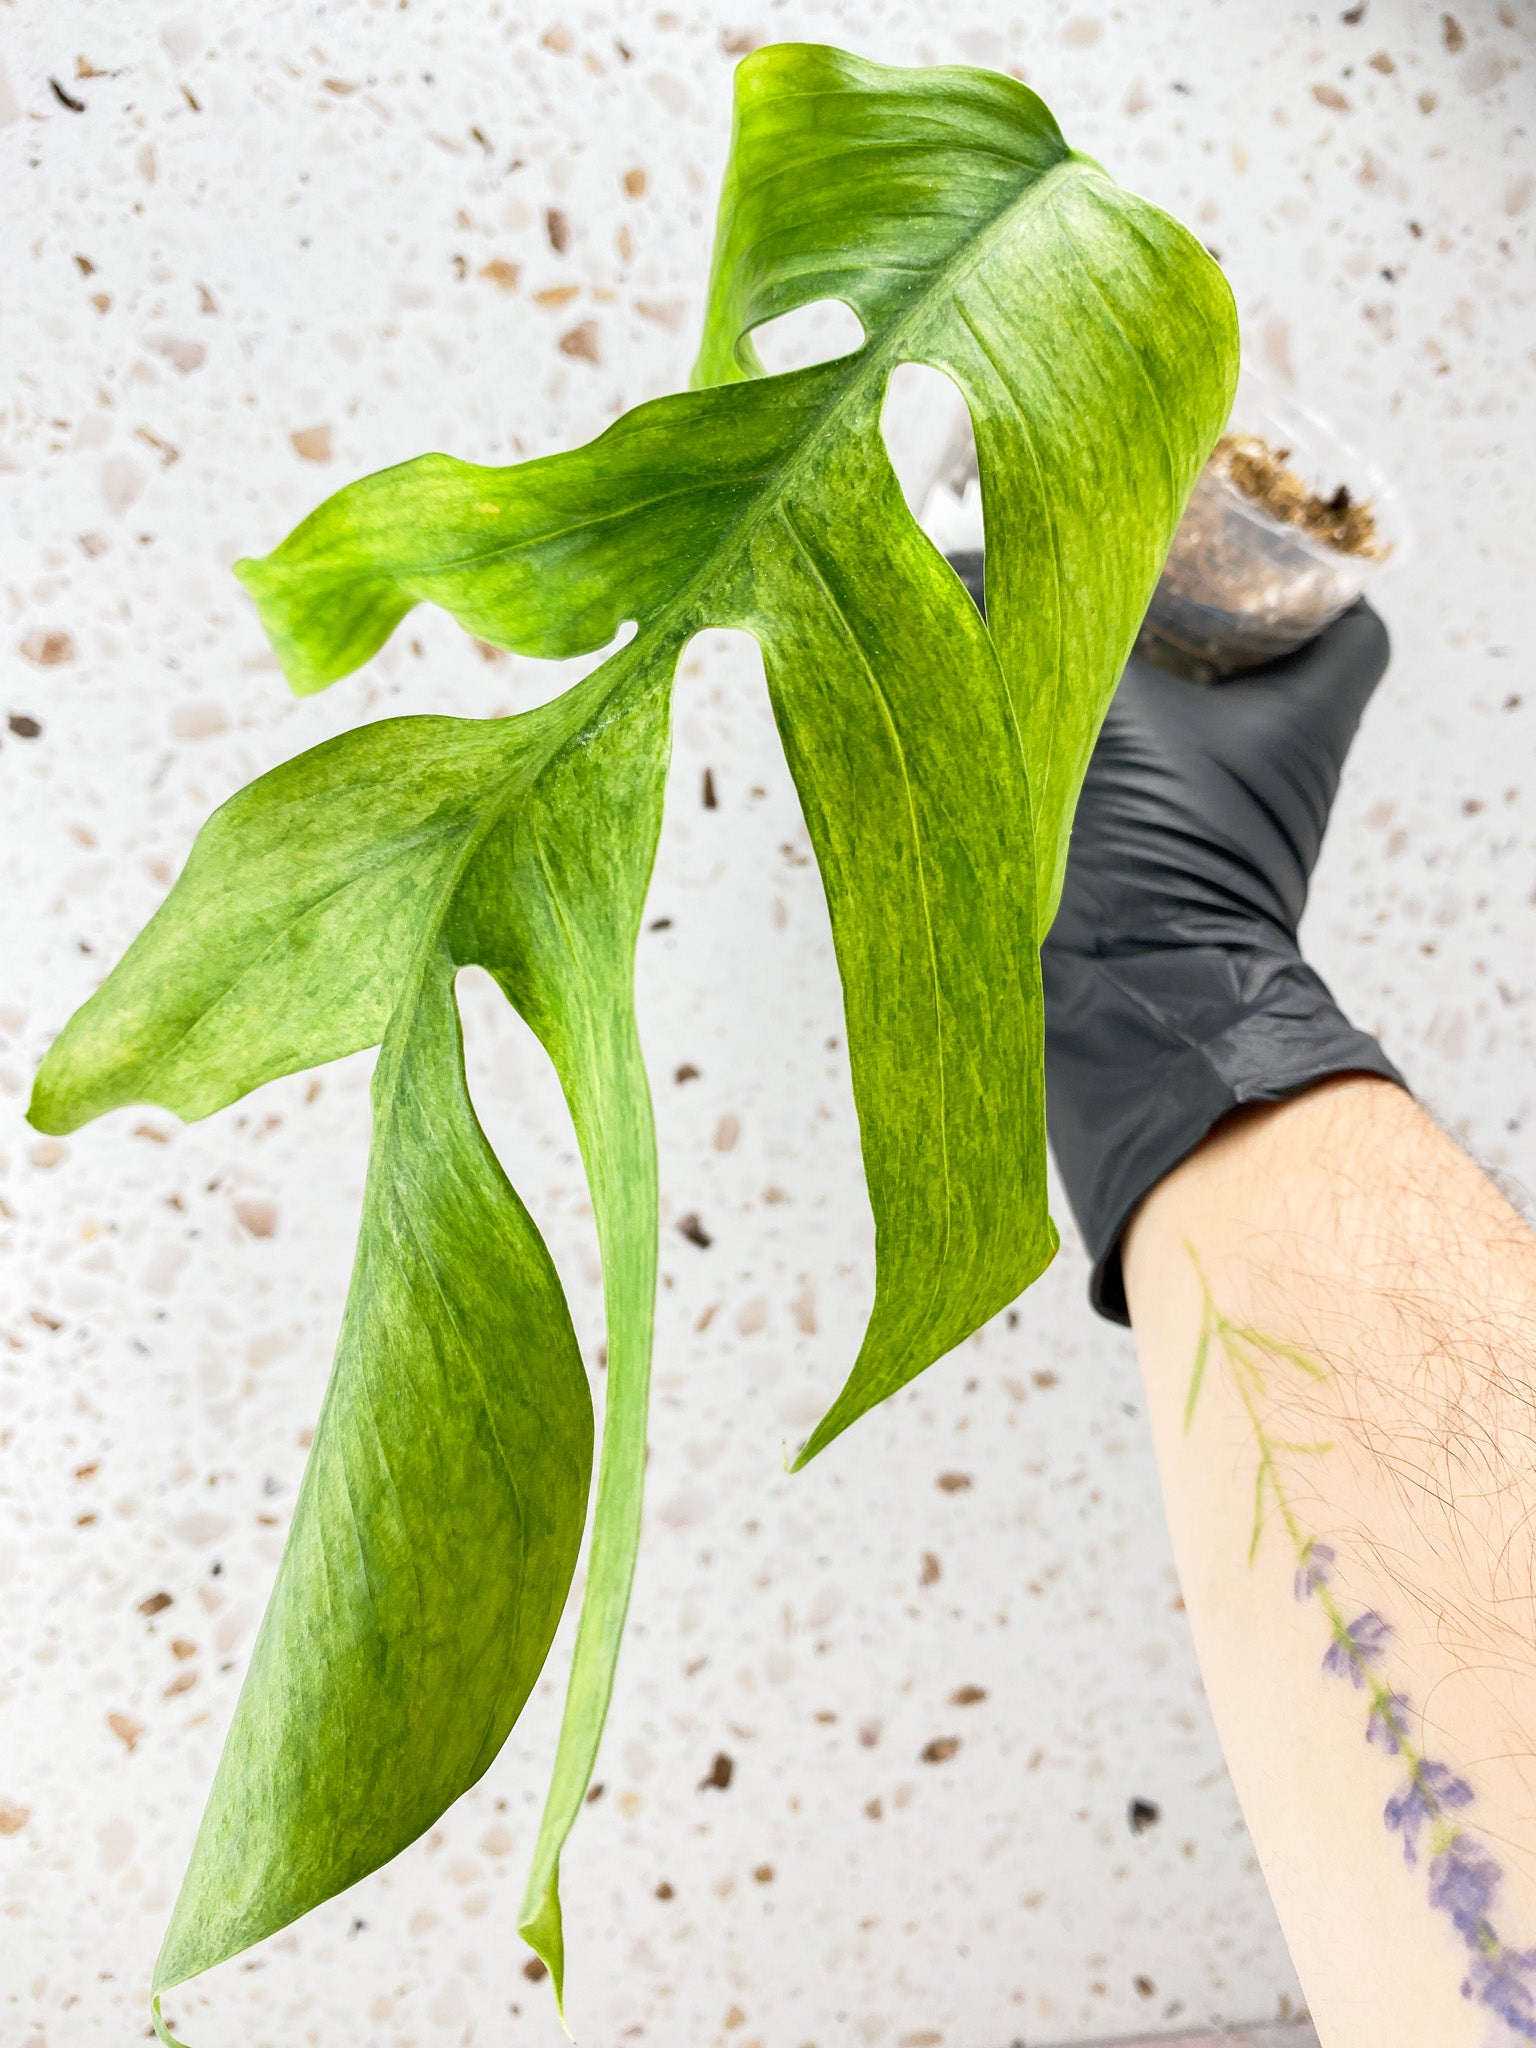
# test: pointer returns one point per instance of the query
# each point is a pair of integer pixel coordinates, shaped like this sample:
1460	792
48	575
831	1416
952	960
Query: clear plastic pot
1241	586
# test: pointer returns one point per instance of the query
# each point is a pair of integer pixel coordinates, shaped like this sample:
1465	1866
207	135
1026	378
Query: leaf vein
835	606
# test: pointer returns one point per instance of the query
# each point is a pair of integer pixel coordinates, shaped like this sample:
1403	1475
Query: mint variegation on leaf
328	907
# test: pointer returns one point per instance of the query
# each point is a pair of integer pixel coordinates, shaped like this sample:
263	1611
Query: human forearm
1355	1282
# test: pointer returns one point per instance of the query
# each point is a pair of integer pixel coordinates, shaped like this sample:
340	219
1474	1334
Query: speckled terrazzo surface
247	254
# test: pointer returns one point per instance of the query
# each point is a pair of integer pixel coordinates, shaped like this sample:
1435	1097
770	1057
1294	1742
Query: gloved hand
1174	988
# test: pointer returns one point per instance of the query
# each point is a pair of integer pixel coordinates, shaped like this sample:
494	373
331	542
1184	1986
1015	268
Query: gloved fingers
1320	692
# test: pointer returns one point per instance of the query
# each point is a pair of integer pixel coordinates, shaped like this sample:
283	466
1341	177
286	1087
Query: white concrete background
287	221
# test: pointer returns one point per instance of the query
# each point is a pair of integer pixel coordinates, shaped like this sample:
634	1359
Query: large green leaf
937	762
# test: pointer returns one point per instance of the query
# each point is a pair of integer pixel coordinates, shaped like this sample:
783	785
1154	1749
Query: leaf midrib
879	354
867	365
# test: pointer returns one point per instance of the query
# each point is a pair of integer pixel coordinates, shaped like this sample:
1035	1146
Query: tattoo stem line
1464	1875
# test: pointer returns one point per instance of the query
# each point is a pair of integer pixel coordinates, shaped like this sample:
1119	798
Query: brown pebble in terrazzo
665	1891
156	1604
635	182
875	1808
739	42
199	721
126	1729
1452	34
259	1218
929	1575
1330	96
313	444
595	1792
1383	63
182	1682
710	796
668	313
183	356
691	1228
502	274
534	1970
687	1071
940	1750
557	295
13	1818
763	1874
581	341
954	1482
557	225
168	453
1044	1380
181	1649
559	39
967	1695
719	1775
869	1734
46	649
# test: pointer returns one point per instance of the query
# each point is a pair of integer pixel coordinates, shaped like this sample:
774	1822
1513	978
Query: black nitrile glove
1174	989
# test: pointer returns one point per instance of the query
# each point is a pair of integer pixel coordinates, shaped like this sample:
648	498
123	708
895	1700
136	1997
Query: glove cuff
1145	1053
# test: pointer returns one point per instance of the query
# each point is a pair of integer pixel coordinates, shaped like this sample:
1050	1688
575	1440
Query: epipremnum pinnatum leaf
937	760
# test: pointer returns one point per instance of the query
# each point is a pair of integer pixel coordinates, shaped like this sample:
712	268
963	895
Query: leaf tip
544	1932
816	1442
303	677
49	1110
163	2033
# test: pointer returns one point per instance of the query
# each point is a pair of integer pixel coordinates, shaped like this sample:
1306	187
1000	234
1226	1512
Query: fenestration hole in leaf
926	426
522	1109
524	681
817	333
938	766
741	1011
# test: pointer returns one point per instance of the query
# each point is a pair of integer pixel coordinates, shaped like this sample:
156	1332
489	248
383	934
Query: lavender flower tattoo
1464	1876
